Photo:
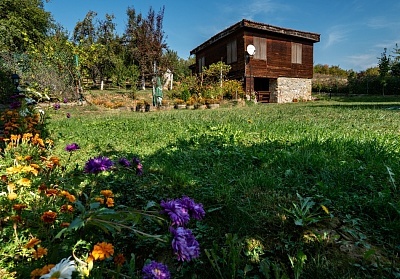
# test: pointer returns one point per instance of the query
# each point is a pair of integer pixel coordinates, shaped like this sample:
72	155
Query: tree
145	40
384	67
23	24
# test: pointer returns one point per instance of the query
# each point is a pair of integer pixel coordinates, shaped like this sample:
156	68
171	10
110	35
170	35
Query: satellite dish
251	50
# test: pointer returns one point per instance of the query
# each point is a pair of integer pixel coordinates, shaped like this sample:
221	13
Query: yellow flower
30	169
24	182
14	170
40	252
12	196
102	250
34	241
324	208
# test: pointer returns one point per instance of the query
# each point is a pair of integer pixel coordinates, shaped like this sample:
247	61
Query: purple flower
179	214
56	106
155	270
139	169
195	209
15	105
124	162
181	210
139	166
98	164
65	100
184	244
72	147
68	115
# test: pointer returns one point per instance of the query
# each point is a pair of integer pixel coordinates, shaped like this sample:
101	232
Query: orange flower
106	193
19	207
71	198
119	259
102	250
34	241
36	273
42	187
110	202
49	217
64	225
46	269
40	252
16	219
51	192
67	208
100	200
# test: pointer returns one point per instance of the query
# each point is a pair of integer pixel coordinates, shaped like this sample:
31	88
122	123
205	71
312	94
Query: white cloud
336	35
362	61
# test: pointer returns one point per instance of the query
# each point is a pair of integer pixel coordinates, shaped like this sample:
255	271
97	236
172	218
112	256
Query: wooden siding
278	62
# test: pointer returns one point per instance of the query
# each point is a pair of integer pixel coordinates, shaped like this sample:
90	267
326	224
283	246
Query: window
261	48
202	63
231	52
297	52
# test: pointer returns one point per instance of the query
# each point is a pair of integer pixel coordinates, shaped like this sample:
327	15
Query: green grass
247	165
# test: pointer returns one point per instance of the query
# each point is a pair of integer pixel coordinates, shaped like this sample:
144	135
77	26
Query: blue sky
354	33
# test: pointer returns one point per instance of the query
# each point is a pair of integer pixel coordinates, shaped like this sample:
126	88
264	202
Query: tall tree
145	39
384	67
23	23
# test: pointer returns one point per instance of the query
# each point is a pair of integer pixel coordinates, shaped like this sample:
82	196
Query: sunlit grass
247	164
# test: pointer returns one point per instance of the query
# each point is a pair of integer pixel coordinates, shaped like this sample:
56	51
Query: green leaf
77	223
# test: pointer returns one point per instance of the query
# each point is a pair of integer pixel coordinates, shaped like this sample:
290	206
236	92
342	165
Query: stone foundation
288	90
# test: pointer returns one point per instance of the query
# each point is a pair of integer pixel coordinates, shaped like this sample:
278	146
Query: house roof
314	37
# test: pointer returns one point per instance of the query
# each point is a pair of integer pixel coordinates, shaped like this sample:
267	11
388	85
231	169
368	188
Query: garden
301	190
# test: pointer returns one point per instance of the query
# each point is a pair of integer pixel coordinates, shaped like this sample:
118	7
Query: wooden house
274	63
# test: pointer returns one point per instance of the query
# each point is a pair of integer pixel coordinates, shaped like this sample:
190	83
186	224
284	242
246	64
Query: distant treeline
383	79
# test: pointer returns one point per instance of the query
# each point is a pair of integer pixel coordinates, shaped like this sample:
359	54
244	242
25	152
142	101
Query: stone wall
287	90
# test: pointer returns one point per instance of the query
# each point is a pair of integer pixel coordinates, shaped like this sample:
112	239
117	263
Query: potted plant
190	103
179	104
200	103
212	103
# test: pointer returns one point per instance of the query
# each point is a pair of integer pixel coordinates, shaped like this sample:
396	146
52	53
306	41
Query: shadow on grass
245	189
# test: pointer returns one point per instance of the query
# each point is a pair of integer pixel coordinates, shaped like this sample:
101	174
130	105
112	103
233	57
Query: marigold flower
49	217
36	273
32	242
71	198
39	252
46	269
67	208
64	225
16	219
12	196
51	192
99	200
102	250
106	193
42	187
119	260
110	202
19	206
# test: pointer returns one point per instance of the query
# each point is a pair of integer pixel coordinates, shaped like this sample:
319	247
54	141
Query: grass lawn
303	190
